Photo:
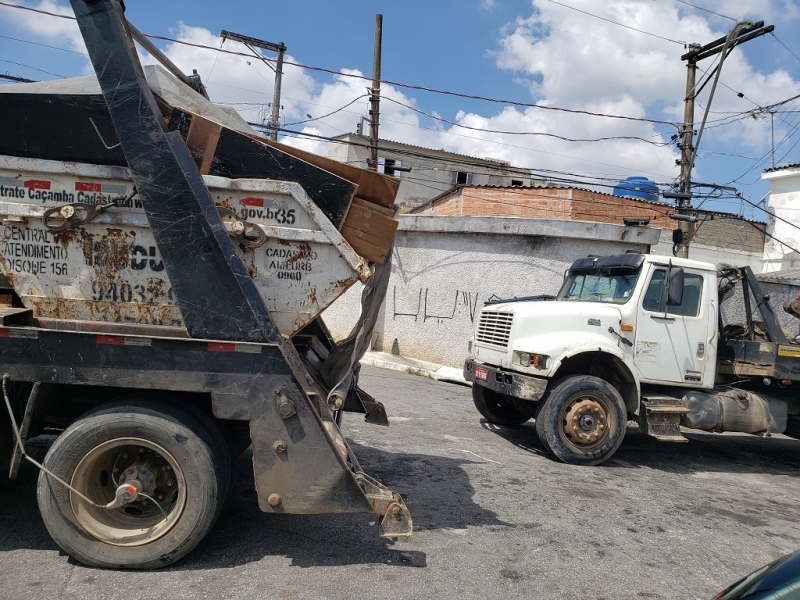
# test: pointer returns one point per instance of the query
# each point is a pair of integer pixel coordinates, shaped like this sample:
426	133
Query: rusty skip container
161	277
76	245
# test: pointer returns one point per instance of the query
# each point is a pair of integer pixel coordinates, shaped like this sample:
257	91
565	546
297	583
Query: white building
782	246
425	173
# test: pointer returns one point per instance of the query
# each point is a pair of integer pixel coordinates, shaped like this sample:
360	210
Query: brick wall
577	204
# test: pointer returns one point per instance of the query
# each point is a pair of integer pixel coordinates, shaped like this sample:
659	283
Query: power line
386	81
784	45
538	133
620	24
544	174
11	62
5	37
706	10
338	110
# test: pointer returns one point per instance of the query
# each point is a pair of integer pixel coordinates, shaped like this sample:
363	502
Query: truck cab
627	336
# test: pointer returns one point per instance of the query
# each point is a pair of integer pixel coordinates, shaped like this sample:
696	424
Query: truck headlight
527	359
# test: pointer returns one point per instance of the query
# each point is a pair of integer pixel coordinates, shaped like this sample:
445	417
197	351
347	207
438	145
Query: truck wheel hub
585	421
124	460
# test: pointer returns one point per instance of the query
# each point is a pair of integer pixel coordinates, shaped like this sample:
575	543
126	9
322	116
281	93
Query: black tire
539	423
182	464
496	407
582	420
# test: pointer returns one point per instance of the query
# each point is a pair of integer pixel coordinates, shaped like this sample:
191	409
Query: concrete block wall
730	232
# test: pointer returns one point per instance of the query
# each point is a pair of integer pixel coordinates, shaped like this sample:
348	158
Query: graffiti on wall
464	304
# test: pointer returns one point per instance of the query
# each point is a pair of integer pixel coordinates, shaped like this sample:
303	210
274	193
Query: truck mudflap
508	383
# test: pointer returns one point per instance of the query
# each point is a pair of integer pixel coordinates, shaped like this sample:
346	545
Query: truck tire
181	468
582	420
540	426
496	407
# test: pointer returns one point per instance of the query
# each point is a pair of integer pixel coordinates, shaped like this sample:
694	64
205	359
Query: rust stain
110	312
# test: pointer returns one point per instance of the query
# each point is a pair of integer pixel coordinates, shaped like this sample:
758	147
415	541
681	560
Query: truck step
661	418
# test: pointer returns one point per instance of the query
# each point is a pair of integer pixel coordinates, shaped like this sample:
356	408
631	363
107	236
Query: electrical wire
338	110
784	45
620	24
537	133
5	37
706	10
11	62
384	81
466	160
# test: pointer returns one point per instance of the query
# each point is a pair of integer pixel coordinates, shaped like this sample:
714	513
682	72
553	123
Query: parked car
779	580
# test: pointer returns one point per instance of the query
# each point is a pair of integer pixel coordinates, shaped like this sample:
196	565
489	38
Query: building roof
500	163
790	276
562	186
790	166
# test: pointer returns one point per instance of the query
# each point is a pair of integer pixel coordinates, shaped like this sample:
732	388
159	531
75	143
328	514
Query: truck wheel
498	408
174	458
583	420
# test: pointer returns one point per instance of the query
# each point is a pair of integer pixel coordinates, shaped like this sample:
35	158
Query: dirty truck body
146	322
667	342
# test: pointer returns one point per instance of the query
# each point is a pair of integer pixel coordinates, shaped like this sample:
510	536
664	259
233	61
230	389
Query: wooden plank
369	251
389	212
364	219
202	141
349	233
375	187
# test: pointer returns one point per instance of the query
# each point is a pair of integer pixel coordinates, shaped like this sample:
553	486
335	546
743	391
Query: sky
536	66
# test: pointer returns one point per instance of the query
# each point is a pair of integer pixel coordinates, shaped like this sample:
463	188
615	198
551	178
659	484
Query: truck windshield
613	284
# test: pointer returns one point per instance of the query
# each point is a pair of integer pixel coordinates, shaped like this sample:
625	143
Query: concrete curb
414	367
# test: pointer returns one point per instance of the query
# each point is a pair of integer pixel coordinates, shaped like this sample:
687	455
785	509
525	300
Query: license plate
481	373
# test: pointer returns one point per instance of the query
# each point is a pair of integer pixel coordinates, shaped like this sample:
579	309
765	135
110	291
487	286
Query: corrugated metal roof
499	163
790	276
791	166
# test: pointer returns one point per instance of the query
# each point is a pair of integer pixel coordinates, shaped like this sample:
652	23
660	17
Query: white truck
637	337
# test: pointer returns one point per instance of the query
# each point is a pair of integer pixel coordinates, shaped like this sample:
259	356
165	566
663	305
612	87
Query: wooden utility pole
375	95
280	48
741	32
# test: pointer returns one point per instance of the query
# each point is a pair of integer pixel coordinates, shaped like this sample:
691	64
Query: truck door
672	342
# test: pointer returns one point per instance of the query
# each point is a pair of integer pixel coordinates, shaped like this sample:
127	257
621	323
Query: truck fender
607	363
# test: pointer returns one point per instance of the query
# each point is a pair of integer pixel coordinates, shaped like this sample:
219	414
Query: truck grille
494	328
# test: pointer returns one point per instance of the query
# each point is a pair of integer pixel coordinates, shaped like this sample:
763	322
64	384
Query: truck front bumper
523	387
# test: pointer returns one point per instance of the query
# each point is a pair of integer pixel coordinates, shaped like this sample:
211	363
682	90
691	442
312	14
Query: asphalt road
494	517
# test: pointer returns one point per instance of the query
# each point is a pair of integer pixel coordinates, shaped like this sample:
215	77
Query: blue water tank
637	187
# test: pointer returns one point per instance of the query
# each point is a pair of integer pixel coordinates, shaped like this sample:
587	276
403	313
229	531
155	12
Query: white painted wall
784	220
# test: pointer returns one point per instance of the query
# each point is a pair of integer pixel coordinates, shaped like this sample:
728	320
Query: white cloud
562	57
46	28
575	60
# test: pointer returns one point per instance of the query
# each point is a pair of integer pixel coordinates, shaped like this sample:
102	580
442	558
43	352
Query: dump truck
665	342
162	274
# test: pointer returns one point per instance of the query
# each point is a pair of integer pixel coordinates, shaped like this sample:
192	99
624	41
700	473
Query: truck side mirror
675	287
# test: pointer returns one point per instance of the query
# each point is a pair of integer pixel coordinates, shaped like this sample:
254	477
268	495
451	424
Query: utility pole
742	32
375	95
280	48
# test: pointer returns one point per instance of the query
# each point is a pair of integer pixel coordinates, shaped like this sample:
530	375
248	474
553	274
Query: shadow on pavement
704	452
436	489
